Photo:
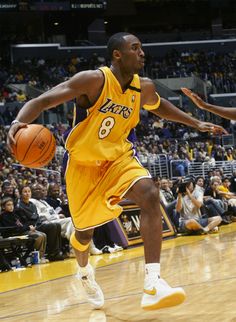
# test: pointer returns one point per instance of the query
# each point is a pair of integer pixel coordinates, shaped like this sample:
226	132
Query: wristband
14	122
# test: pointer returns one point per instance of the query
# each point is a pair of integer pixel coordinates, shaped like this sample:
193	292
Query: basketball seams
16	145
31	144
46	150
36	147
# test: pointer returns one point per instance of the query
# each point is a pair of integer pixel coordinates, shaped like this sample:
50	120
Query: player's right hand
11	133
194	98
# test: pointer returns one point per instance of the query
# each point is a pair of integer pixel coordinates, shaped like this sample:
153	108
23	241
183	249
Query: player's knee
150	198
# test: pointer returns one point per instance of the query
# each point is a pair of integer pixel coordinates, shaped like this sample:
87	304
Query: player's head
126	50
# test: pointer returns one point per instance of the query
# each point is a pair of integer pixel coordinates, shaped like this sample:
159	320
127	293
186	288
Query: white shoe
162	295
95	251
117	248
43	260
214	230
92	290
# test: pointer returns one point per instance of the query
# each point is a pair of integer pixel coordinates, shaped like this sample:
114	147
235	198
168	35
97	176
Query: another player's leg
80	241
157	293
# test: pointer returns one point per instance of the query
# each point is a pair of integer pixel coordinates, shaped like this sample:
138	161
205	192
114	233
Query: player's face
132	55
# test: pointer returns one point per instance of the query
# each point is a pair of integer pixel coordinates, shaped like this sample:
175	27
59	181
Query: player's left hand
194	97
209	127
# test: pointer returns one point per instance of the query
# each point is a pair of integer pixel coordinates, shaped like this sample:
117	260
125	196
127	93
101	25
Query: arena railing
159	166
227	167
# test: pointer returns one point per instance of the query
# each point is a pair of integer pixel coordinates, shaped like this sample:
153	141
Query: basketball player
225	112
102	167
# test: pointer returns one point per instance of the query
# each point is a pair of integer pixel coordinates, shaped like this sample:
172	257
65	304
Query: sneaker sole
168	301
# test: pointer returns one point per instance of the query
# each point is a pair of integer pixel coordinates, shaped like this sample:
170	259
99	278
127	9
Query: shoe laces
89	284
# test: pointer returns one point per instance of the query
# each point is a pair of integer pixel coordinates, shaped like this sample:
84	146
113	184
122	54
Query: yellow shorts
94	191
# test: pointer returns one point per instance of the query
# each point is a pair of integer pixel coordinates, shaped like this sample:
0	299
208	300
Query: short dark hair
200	177
225	179
5	200
116	42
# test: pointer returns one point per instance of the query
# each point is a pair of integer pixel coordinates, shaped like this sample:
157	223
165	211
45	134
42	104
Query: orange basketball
35	146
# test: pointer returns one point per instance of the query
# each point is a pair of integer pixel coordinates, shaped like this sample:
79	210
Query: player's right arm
225	112
88	83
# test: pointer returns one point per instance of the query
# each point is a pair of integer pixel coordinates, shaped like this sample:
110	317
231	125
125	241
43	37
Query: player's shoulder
146	84
93	79
91	75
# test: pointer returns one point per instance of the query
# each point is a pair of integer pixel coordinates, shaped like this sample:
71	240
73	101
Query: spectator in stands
199	193
224	189
189	202
213	201
47	213
12	180
21	97
4	264
9	191
220	154
29	216
166	194
57	199
229	155
228	196
199	186
10	218
168	199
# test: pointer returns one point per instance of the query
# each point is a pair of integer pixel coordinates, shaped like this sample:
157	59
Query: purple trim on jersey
64	163
132	138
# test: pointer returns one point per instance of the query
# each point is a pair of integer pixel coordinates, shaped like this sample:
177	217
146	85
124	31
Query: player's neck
123	78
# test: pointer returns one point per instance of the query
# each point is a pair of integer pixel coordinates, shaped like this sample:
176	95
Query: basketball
35	146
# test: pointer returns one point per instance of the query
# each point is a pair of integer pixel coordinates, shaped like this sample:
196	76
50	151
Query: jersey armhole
154	106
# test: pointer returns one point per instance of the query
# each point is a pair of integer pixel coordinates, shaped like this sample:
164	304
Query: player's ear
116	54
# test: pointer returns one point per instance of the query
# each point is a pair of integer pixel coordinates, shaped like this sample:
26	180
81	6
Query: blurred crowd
217	69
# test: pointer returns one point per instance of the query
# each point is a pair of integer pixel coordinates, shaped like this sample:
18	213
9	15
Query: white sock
152	272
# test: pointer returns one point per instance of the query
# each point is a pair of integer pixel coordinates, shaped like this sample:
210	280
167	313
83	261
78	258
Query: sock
84	271
152	272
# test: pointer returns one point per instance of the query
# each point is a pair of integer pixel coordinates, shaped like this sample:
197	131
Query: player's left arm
161	107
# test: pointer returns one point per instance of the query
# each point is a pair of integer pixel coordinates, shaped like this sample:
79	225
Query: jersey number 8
106	126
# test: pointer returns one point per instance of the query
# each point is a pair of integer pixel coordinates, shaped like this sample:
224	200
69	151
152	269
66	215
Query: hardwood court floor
204	265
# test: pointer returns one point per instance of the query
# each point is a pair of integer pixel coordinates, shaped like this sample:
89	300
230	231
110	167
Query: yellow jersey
101	132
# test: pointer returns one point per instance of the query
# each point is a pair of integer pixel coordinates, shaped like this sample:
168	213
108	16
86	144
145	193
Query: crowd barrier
159	166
